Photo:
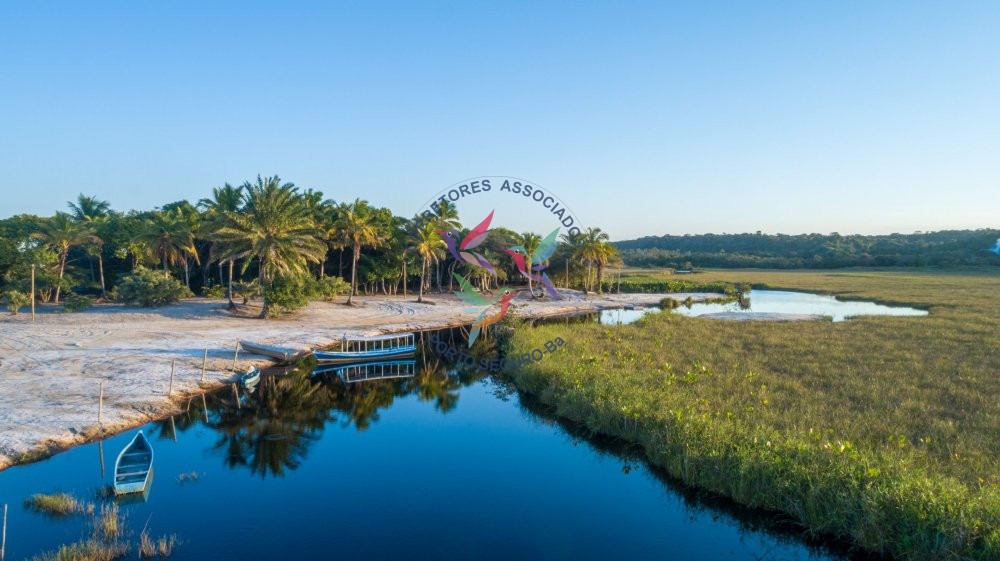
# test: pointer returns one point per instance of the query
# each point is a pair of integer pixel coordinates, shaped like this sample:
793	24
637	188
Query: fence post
236	355
100	405
171	390
3	542
204	359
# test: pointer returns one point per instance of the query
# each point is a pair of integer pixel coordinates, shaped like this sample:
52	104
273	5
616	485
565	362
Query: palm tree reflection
271	430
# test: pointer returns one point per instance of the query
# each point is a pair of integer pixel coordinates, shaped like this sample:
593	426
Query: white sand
50	370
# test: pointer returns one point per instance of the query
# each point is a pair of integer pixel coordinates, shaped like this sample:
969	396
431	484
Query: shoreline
51	371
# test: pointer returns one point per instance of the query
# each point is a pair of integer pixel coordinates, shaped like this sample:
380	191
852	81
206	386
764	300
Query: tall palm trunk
262	279
590	268
354	272
166	273
230	289
600	277
100	268
423	273
187	274
62	268
404	276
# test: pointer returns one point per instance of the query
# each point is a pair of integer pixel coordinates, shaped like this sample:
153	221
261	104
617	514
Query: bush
217	291
328	288
287	293
150	289
77	302
246	290
16	300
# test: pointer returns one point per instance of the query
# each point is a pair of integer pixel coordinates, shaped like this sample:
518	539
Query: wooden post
204	404
100	405
237	396
204	359
100	450
32	298
3	542
171	390
236	354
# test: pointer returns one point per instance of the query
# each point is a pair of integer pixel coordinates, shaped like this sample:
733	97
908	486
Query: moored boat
281	354
134	467
380	347
365	371
250	378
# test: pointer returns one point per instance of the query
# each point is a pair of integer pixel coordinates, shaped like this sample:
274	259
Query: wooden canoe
134	467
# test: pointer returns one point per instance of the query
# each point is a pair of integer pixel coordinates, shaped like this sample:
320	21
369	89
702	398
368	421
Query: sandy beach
51	370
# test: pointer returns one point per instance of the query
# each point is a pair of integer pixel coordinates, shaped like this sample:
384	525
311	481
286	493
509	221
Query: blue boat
366	371
381	347
134	467
250	379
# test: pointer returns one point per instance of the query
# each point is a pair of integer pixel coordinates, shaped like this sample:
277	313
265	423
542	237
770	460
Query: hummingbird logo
482	305
531	264
461	251
995	248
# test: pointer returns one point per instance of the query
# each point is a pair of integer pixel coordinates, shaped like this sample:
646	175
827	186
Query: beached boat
134	467
280	354
250	379
381	347
365	371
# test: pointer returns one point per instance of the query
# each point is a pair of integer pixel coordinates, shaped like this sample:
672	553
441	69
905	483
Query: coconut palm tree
429	246
62	233
225	202
275	229
593	251
95	213
529	242
169	236
356	227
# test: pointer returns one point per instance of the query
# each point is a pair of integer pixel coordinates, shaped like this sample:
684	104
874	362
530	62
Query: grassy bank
882	431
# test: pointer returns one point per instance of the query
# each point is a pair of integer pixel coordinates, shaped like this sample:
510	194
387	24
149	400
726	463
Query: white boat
134	467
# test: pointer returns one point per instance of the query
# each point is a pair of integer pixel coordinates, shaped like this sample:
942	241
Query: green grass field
884	431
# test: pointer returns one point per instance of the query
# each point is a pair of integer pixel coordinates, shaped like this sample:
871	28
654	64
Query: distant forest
814	251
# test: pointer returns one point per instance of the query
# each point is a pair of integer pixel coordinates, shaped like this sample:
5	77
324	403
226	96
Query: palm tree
169	236
356	227
61	233
225	202
275	229
429	246
447	219
95	212
529	242
593	251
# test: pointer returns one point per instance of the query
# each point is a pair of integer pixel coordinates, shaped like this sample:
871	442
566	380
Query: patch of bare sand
51	370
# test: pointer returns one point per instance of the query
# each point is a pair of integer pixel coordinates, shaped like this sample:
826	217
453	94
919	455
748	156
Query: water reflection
269	431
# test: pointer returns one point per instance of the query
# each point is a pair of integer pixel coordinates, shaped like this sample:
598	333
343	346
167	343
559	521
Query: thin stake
204	404
100	405
235	396
100	450
236	354
204	359
171	390
32	299
3	542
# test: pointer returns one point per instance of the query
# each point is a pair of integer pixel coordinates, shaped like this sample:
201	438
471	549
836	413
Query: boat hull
345	357
134	467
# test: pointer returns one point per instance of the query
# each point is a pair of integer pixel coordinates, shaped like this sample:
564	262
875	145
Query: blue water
444	465
777	302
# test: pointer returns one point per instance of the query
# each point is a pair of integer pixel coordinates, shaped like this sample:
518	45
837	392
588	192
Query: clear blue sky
647	118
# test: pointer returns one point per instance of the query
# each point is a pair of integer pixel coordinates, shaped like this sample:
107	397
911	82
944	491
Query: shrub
246	290
77	302
150	288
217	291
287	293
328	288
16	300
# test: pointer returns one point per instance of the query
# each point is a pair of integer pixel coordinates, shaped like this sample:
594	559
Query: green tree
95	213
356	227
429	247
273	228
61	233
224	203
168	236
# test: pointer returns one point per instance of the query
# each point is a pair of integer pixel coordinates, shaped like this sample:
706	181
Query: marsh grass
884	431
57	505
161	547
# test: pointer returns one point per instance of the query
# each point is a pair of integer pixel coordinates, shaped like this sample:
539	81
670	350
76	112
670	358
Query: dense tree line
813	251
265	239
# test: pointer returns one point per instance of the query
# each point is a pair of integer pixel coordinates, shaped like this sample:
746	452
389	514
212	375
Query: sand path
51	370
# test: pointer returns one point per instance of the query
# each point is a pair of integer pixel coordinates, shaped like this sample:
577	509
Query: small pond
788	302
772	302
441	463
